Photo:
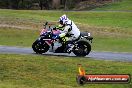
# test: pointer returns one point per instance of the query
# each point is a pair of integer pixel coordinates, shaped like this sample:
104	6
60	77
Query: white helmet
63	19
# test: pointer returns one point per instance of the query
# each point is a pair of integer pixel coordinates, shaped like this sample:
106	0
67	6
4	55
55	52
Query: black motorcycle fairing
60	49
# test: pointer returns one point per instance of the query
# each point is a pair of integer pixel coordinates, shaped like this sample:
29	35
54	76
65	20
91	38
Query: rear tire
82	49
40	47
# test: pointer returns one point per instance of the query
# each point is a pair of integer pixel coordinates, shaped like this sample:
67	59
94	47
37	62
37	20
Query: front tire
40	47
82	49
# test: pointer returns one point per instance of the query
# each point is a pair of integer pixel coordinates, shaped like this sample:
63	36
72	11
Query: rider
70	31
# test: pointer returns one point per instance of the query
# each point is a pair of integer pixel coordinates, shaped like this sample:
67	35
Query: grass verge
17	37
26	71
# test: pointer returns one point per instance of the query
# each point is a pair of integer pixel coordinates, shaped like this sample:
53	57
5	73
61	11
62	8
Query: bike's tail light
89	34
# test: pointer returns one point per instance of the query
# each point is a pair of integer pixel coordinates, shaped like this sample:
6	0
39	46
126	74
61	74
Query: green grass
125	5
105	19
26	71
17	37
112	44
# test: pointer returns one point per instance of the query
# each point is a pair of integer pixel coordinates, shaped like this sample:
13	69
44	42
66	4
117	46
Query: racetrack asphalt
114	56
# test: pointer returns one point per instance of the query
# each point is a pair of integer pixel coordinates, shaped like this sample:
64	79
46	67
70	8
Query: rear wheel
40	47
82	49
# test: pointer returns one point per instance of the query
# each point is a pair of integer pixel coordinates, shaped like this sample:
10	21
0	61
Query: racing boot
68	48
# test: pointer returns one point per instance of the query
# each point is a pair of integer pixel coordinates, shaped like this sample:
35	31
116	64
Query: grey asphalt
93	54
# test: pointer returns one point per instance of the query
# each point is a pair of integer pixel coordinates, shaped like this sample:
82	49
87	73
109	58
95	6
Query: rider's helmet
63	19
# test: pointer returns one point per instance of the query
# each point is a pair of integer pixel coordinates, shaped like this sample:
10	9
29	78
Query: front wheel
82	49
40	47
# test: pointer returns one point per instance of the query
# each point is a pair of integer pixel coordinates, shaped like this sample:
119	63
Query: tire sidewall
80	43
39	51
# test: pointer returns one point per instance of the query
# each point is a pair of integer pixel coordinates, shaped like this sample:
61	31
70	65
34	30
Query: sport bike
47	42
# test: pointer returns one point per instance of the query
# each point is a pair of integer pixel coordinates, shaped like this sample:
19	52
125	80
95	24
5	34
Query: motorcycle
47	42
